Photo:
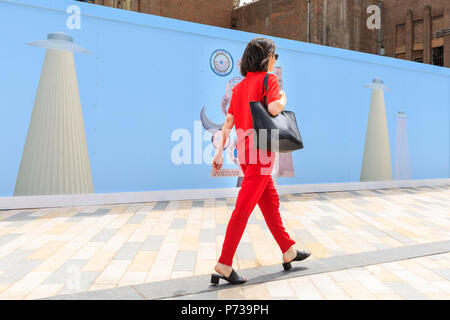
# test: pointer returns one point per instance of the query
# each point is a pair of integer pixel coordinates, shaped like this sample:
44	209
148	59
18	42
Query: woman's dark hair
256	55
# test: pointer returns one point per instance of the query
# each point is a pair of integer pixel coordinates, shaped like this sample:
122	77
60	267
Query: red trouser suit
258	189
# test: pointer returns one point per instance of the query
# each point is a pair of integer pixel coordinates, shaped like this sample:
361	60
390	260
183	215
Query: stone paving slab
140	243
199	284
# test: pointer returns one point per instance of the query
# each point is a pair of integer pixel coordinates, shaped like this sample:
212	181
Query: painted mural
142	109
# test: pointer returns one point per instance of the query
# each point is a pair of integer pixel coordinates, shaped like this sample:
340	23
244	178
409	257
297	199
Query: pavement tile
18	271
405	290
128	251
358	231
185	261
142	261
152	243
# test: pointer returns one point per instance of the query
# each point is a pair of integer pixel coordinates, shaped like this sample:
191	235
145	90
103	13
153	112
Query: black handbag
265	126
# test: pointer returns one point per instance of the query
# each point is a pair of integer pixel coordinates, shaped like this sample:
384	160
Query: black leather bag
265	126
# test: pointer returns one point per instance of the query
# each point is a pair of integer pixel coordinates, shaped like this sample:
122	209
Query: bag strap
265	85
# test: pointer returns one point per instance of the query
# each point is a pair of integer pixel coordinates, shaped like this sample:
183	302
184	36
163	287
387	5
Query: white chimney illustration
376	164
55	158
402	162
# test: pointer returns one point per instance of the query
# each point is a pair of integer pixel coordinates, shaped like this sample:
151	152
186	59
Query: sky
242	2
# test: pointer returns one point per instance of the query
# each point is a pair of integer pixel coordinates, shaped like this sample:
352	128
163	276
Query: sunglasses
276	56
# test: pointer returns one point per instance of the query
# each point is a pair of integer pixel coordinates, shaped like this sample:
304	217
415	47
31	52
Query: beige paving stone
115	242
341	275
205	266
305	289
328	287
24	286
248	263
365	246
127	230
295	224
38	242
160	228
113	272
88	251
236	293
99	261
264	254
189	242
443	285
141	233
391	266
209	223
131	278
356	290
280	288
420	270
245	237
367	279
438	296
350	247
302	212
416	282
101	286
78	242
3	287
173	236
382	273
256	292
388	297
55	261
119	222
444	262
60	228
44	291
168	251
143	261
161	269
47	250
317	250
181	274
206	251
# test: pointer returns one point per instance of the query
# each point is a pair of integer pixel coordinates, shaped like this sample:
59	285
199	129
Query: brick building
211	12
417	30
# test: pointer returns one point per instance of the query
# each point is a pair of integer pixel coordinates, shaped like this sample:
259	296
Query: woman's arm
277	106
226	129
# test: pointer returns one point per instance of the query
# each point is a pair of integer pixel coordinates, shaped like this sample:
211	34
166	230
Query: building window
417	56
438	56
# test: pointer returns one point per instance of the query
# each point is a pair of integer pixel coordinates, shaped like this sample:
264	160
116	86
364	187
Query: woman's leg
269	203
252	188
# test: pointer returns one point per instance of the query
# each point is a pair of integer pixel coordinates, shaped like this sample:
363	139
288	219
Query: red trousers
257	188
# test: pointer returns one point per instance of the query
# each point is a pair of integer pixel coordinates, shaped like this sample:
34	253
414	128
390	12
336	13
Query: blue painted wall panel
149	76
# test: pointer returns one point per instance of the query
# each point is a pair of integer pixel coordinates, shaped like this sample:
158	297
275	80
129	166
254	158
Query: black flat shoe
233	278
301	255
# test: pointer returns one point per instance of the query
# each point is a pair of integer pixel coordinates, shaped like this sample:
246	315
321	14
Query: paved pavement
371	244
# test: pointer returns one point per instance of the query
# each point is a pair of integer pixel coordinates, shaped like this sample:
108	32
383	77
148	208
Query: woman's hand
217	161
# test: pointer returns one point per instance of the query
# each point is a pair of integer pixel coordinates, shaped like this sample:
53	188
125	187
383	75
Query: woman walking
257	186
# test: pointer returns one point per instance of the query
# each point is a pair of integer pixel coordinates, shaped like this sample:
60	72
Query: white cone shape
376	164
402	162
55	158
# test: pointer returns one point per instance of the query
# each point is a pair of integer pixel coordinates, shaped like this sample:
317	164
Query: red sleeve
273	91
230	108
233	95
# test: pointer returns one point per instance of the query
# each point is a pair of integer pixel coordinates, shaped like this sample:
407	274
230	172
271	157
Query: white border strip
49	201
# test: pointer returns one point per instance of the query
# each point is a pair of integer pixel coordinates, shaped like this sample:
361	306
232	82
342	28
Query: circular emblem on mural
232	83
232	152
221	62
